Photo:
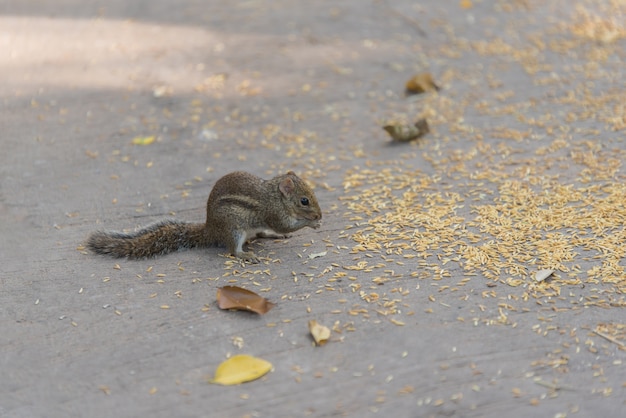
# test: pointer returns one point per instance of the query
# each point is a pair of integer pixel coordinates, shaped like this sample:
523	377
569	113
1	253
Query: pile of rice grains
495	223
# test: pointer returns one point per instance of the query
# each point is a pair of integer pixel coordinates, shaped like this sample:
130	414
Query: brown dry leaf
233	297
319	332
406	133
420	83
239	369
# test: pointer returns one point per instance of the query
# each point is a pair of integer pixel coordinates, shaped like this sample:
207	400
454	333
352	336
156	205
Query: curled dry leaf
239	369
420	83
319	332
541	275
406	133
233	297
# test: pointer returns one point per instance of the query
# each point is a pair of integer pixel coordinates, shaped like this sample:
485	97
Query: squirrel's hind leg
236	248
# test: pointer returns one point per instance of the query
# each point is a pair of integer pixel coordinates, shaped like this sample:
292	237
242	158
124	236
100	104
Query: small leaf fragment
233	297
319	332
240	369
161	91
541	275
406	133
316	255
143	140
420	83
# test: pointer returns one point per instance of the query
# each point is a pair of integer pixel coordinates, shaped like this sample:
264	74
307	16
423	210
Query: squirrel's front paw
271	234
248	256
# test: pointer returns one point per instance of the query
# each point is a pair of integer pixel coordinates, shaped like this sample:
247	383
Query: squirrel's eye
304	201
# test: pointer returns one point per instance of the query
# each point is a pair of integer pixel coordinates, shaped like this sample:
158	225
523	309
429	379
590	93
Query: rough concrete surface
428	249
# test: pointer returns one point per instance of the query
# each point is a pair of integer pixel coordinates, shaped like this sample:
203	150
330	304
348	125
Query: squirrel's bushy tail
156	239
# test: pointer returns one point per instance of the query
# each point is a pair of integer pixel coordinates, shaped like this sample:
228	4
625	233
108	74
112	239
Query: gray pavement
430	248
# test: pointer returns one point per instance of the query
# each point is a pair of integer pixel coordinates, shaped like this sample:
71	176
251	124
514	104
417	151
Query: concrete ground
428	251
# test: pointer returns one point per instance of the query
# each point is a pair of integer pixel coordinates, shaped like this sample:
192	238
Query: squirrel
240	207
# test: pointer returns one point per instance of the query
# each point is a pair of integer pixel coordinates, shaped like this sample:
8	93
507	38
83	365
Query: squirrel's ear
287	186
291	173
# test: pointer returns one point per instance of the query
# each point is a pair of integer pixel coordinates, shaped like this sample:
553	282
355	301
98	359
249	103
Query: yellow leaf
143	140
319	332
239	369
